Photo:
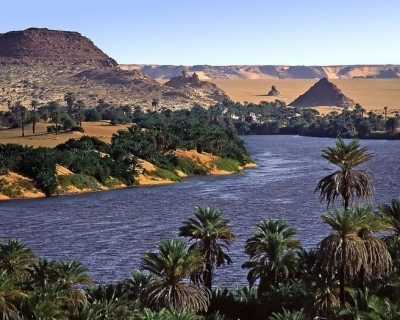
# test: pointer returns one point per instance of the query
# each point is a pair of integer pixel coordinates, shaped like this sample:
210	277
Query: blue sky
223	32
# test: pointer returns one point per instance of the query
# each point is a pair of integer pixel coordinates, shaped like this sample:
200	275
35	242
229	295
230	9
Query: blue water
109	231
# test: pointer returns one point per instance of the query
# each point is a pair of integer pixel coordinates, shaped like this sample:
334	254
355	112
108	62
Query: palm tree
55	113
15	257
10	293
346	182
21	109
70	98
211	235
271	251
350	249
154	104
108	302
391	214
68	275
34	115
172	264
80	104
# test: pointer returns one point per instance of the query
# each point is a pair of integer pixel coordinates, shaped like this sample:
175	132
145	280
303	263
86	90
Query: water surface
109	231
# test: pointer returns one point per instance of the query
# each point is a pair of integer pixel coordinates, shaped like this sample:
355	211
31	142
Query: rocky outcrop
273	92
42	64
197	87
322	93
41	44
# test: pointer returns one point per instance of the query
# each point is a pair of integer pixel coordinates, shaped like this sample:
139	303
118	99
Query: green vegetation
153	137
80	181
191	167
353	273
166	174
276	118
227	164
9	190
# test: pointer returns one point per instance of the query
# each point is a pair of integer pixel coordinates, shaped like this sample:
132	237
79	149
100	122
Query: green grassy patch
80	181
165	174
227	164
191	167
112	182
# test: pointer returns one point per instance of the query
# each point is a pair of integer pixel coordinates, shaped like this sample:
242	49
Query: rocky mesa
42	64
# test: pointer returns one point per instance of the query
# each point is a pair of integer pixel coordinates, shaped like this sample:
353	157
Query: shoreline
144	180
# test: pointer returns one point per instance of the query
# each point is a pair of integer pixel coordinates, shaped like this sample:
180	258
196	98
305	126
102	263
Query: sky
223	32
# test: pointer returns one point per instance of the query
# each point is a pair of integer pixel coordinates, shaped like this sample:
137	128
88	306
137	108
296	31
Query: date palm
348	182
69	274
34	114
70	98
211	235
10	293
391	214
16	258
350	249
172	264
271	252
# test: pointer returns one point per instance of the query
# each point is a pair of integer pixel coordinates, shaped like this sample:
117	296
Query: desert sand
371	94
41	138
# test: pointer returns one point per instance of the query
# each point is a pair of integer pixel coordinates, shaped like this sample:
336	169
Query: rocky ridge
270	71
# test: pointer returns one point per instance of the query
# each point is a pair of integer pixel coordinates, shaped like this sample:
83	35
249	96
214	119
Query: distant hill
43	65
41	44
269	71
323	93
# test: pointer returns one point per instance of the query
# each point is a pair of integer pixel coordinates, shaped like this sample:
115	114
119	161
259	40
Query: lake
109	231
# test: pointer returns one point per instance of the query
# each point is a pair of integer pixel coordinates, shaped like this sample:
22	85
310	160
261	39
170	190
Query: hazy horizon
178	32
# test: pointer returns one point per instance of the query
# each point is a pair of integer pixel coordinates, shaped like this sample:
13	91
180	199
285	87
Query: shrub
77	128
47	182
9	190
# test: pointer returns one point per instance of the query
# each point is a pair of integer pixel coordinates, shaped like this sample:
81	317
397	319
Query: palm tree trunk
208	276
342	273
346	202
361	284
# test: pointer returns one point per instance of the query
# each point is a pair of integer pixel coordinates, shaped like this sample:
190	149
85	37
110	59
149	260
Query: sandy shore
144	179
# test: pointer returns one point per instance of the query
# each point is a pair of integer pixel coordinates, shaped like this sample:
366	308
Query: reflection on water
109	231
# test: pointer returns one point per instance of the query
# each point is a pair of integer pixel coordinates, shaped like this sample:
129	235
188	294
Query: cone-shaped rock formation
323	93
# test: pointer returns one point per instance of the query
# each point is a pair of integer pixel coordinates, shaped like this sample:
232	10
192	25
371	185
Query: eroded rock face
52	46
273	92
323	93
197	87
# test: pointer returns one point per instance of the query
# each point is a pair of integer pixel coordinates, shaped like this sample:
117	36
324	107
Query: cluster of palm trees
352	274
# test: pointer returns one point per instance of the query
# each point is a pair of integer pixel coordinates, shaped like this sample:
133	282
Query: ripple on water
109	231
